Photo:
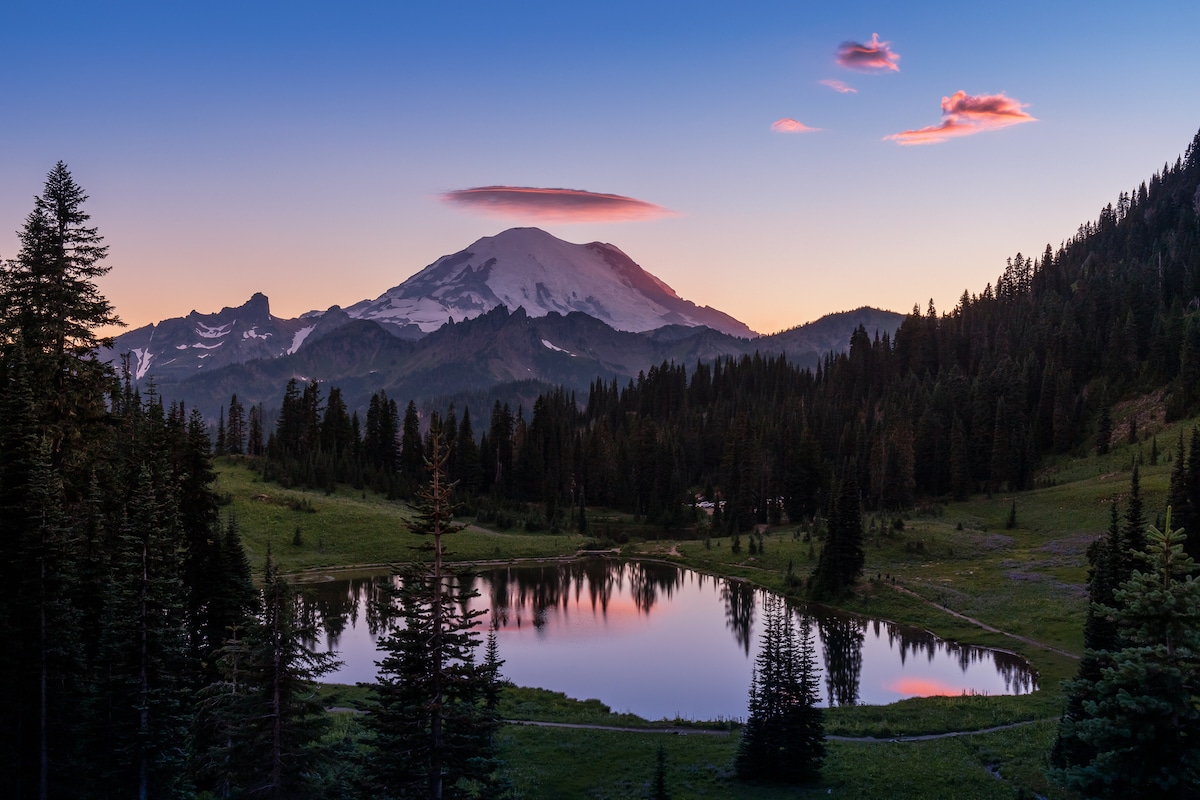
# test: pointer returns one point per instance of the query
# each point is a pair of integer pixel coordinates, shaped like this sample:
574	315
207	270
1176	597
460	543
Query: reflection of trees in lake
1019	678
535	589
1017	675
331	606
738	597
647	580
521	594
912	640
335	605
842	639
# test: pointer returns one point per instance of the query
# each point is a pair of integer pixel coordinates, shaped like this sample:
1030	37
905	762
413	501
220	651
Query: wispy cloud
966	115
789	125
838	86
874	56
554	205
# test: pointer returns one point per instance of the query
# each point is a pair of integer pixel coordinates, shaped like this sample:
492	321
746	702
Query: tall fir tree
842	558
432	720
235	428
412	451
49	303
784	736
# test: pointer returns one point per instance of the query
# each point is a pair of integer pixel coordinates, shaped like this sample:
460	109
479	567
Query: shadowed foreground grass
565	763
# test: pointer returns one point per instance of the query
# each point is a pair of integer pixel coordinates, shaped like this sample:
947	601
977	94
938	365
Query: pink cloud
553	205
838	86
789	125
873	56
967	115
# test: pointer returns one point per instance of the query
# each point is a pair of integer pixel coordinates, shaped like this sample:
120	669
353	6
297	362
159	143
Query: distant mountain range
521	307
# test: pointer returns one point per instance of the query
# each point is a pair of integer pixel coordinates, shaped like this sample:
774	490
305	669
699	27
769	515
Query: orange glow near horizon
924	687
554	205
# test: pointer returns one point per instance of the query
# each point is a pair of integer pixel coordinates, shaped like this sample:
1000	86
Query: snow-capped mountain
178	347
531	269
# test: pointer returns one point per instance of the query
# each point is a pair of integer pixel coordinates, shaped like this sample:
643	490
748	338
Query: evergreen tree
842	558
235	428
412	451
254	431
659	790
50	304
469	467
1099	639
432	719
784	736
141	707
220	446
44	651
1103	431
1133	533
1143	720
262	717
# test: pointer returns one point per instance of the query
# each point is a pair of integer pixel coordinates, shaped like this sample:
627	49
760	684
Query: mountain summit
531	269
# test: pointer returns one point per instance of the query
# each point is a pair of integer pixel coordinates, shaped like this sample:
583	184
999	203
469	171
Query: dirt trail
706	732
985	626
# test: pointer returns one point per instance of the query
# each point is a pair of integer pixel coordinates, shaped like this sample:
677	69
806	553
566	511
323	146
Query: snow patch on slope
208	332
558	349
144	357
299	338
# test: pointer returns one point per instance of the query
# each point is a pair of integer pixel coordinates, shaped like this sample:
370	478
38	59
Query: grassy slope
351	528
1027	581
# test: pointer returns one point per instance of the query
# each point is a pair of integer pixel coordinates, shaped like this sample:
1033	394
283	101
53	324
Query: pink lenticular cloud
554	205
838	86
789	125
874	56
966	115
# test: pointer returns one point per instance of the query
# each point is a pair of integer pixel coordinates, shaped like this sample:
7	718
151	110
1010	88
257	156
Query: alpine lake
660	641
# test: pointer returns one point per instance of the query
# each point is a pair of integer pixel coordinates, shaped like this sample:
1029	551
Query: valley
1029	581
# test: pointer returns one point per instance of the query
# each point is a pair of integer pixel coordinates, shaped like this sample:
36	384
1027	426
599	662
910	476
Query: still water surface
660	641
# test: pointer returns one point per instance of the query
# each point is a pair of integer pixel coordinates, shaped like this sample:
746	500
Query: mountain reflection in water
660	641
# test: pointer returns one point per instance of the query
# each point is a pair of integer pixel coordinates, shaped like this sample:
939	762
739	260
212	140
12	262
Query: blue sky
302	149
